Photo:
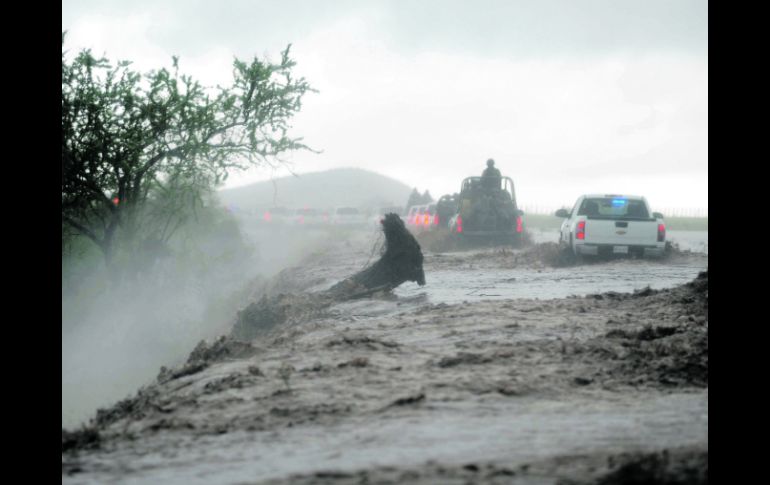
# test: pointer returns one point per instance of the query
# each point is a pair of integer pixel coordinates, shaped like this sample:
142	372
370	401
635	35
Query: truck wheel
577	258
566	258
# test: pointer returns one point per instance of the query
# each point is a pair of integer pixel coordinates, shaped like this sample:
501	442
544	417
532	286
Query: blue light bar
619	202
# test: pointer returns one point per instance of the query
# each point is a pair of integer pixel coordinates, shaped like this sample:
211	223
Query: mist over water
115	338
120	339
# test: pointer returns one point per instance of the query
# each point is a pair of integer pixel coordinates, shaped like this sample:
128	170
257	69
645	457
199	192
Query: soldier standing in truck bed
491	177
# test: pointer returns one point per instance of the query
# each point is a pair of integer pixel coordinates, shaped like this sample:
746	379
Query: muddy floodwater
474	284
503	368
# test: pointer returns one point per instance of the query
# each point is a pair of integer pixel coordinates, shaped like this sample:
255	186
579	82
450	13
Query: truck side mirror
562	213
657	215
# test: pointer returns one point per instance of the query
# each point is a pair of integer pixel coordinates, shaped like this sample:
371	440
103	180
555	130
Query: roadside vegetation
142	153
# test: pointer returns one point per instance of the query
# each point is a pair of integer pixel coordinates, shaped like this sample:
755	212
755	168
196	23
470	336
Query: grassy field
541	221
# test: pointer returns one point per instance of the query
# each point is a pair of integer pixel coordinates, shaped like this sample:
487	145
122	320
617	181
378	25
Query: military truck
487	211
446	208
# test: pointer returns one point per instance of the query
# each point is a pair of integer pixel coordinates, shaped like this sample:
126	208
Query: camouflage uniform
491	177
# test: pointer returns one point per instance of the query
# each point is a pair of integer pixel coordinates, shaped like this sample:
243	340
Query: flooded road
497	273
471	284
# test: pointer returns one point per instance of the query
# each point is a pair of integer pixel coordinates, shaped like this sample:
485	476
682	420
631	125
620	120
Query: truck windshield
614	208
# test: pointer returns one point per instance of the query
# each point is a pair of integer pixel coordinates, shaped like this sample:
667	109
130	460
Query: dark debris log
401	262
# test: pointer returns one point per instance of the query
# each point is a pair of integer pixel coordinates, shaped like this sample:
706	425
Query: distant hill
332	188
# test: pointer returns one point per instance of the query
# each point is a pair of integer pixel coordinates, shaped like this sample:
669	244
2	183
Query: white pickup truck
612	224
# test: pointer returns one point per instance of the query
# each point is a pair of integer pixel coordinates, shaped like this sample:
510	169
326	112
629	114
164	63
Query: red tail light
518	224
459	224
661	232
267	217
581	230
427	219
435	220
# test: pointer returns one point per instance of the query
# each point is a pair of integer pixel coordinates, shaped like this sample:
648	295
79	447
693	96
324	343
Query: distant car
430	220
422	217
309	217
348	216
612	224
411	215
276	215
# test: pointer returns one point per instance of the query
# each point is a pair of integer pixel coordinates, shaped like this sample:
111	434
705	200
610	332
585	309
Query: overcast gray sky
568	96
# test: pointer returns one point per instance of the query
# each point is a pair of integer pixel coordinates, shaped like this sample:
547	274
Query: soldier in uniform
491	177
